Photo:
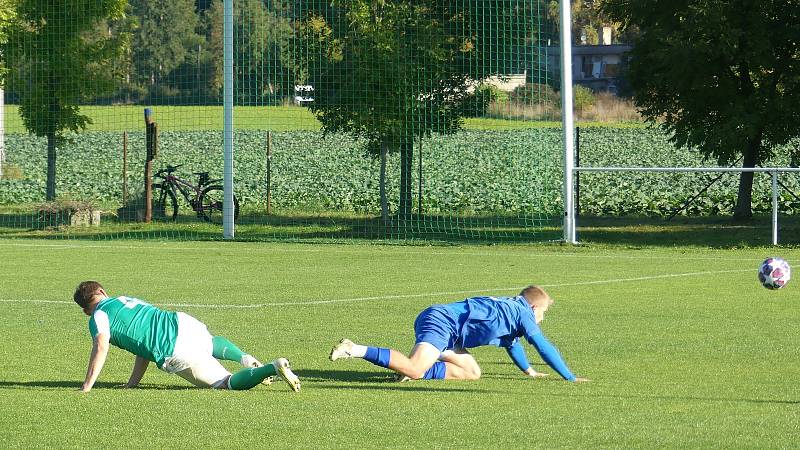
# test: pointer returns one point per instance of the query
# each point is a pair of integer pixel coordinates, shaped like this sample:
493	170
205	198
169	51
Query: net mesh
352	119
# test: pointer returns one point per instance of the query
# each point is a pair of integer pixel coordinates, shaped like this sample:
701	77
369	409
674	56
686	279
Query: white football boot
285	372
342	350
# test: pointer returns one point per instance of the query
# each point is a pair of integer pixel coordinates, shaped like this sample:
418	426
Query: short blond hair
536	296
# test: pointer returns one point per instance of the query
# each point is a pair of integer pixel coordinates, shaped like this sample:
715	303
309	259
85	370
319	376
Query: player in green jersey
177	342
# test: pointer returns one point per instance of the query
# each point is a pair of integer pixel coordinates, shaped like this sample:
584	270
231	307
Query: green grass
274	118
683	347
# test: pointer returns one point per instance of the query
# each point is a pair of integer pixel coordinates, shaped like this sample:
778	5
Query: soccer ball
774	273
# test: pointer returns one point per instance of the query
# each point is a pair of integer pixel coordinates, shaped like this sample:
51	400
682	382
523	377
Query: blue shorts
436	327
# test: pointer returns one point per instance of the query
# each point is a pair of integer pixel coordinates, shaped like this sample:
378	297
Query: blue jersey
499	321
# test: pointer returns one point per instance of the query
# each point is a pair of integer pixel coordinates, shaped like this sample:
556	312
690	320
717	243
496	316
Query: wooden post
420	176
148	165
577	174
124	168
269	172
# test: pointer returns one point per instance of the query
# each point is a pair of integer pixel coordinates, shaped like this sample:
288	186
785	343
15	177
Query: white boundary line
386	249
402	296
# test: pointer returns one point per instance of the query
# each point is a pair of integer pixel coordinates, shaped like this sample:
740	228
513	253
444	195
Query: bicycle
206	199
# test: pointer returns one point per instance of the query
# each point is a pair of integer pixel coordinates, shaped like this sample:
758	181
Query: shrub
11	172
66	212
534	93
583	98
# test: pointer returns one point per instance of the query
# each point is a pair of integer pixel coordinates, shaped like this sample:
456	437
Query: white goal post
773	171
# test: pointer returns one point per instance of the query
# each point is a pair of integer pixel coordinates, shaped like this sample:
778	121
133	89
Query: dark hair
85	291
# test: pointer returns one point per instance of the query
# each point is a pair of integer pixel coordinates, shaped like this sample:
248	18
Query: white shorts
193	358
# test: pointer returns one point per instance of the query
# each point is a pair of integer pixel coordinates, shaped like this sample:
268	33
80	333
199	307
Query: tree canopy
64	56
721	76
393	71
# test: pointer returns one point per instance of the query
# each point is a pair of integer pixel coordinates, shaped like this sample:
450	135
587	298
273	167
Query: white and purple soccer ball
774	273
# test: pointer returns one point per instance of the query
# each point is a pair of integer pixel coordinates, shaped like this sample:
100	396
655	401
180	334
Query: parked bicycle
205	198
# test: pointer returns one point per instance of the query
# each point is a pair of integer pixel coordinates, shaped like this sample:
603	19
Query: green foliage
60	61
64	55
163	39
503	172
534	93
391	72
583	97
719	76
262	58
588	20
8	14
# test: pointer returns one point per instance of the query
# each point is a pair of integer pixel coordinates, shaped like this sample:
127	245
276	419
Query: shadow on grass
257	226
410	386
75	385
719	232
345	375
254	226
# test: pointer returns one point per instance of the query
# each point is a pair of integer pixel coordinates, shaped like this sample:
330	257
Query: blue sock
378	356
436	372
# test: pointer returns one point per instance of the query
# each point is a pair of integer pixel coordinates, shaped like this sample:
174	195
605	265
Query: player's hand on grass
534	374
582	380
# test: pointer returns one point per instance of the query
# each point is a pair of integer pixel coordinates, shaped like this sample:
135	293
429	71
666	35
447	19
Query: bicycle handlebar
169	169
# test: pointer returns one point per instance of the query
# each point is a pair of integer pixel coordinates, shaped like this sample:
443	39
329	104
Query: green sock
225	349
247	378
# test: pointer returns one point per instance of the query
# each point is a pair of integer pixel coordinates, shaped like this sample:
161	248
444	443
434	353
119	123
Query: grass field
683	347
274	118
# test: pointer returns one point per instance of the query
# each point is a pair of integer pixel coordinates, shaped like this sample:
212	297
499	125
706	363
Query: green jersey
137	327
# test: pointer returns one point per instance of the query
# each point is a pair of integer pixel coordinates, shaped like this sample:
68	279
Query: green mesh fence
352	119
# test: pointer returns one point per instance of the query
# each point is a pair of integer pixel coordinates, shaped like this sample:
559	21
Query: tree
394	71
261	60
60	58
722	76
7	17
165	37
587	20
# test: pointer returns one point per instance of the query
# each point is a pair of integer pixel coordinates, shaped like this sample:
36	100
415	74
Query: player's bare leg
461	365
415	366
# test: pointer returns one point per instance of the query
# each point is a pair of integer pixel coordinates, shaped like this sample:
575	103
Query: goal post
228	206
567	122
773	171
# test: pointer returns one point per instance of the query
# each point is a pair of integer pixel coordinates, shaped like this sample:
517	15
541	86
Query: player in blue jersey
177	342
444	333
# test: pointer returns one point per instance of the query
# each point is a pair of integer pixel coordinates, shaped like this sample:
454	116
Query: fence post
124	168
577	173
151	143
420	177
2	131
269	172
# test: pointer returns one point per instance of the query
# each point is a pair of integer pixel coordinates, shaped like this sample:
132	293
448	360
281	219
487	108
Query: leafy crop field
683	347
473	172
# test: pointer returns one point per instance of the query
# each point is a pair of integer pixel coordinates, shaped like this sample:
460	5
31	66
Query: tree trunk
51	168
744	200
406	169
384	201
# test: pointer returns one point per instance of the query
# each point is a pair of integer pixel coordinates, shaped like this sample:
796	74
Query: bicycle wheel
165	204
211	201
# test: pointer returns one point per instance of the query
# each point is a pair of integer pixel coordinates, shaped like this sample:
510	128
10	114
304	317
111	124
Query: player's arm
551	356
96	360
517	354
139	368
